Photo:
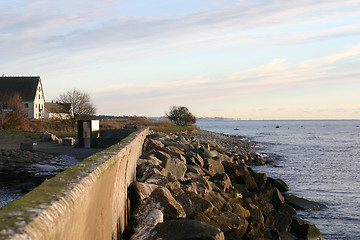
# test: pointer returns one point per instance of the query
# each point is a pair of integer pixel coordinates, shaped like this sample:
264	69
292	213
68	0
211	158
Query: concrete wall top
86	201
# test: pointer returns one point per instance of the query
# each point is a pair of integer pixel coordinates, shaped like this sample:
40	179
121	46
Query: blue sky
256	59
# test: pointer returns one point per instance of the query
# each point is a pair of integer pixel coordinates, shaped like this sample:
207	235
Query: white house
31	91
58	110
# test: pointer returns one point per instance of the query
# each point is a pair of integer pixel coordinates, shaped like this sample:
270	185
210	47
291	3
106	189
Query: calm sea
319	160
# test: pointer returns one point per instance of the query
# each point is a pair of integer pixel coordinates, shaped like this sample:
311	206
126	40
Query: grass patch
32	135
175	129
36	135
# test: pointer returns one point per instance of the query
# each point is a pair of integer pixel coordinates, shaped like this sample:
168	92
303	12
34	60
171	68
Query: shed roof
25	86
57	107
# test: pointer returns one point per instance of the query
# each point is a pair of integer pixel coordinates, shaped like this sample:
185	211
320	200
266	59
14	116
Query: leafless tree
82	108
18	112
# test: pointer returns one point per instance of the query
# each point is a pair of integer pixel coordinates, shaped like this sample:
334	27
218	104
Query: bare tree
82	108
17	113
181	116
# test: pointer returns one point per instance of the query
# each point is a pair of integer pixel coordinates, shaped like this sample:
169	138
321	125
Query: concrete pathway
12	141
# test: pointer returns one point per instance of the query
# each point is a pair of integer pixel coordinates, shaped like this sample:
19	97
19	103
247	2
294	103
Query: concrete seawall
87	201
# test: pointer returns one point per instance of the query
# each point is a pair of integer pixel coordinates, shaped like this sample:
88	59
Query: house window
26	105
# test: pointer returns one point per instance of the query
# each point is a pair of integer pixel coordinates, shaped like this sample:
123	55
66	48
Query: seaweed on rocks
203	182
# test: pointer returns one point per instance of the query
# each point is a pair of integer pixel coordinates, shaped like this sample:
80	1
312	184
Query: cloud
276	75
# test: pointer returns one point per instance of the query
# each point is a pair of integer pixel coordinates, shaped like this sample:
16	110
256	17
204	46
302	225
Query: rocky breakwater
187	189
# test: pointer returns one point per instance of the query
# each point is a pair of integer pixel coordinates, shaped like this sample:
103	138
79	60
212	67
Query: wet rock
304	230
279	220
186	229
276	198
301	203
278	183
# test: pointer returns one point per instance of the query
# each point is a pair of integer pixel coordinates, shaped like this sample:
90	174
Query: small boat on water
236	129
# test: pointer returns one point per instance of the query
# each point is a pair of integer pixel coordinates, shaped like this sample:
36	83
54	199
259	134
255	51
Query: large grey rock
302	203
186	229
143	231
152	144
166	203
214	167
174	167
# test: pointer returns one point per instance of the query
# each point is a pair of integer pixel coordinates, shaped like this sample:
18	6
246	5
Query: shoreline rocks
189	187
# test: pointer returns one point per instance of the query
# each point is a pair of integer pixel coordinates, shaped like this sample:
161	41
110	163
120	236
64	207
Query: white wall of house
61	116
37	110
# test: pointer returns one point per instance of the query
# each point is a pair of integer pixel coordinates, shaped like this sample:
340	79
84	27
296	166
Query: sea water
319	160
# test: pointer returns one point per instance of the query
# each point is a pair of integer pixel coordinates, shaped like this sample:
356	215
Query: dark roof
58	107
25	86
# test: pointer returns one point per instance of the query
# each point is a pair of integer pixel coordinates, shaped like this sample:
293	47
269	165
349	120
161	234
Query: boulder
47	137
217	201
161	155
68	141
276	198
143	231
237	208
249	181
279	220
175	152
301	203
234	170
162	200
222	181
194	169
194	204
193	158
139	191
233	226
214	167
186	229
278	183
199	185
304	230
152	144
174	167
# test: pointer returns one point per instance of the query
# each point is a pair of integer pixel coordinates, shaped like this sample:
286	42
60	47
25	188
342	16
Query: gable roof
25	86
57	107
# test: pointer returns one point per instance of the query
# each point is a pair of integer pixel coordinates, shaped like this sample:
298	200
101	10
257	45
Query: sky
245	59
